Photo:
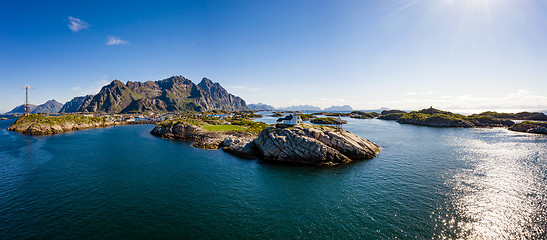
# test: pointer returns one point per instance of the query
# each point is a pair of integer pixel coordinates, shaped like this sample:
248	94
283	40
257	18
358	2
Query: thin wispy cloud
244	88
76	24
112	40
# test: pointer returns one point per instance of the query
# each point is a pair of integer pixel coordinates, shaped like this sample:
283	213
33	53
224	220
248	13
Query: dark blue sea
123	183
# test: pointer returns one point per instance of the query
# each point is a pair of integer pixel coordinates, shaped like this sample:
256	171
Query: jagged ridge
172	94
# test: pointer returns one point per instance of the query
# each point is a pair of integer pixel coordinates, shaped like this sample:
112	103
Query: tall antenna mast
26	100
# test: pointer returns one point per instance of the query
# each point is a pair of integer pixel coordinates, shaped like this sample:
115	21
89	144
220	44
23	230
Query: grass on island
223	128
238	122
54	120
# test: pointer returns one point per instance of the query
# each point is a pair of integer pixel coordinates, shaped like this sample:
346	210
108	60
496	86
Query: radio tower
26	100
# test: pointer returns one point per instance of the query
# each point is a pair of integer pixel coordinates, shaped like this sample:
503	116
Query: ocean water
122	183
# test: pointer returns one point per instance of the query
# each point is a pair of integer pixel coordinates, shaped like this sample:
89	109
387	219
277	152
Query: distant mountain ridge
176	93
339	108
261	107
51	106
21	109
301	108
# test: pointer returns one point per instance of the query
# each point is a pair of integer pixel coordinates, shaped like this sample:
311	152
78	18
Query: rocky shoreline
36	124
530	127
303	144
201	138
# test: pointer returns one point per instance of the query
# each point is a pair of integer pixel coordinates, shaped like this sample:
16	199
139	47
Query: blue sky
368	54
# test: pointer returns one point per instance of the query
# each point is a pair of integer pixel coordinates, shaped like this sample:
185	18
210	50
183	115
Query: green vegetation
237	122
517	116
439	118
327	120
306	117
424	116
57	120
223	128
364	115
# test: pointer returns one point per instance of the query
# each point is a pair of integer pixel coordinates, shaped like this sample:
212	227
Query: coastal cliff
35	124
304	144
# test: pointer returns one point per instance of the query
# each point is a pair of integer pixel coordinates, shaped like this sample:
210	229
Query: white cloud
76	24
115	41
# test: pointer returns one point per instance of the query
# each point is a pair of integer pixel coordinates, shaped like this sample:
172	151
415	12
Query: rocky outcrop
201	138
305	144
536	116
487	121
169	95
386	112
311	144
241	147
391	116
35	124
436	121
328	120
530	127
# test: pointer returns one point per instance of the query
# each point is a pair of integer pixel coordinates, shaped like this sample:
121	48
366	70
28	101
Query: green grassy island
36	124
327	120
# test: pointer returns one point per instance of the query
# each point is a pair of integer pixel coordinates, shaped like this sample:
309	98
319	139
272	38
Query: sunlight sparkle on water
500	195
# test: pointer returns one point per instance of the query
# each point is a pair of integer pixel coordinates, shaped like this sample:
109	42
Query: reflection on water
501	193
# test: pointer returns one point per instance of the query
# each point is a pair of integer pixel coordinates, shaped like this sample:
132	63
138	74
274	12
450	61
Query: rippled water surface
123	183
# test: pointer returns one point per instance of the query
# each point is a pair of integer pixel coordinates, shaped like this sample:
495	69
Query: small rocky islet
303	144
36	124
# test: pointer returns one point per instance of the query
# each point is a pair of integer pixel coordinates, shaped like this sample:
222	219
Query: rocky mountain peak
206	83
175	93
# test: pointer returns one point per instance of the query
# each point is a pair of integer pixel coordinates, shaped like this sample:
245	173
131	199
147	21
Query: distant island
438	118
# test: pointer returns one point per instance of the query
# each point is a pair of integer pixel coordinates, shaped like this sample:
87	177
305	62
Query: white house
290	120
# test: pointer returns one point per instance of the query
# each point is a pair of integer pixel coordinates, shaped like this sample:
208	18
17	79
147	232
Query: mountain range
261	107
339	108
51	106
173	94
169	95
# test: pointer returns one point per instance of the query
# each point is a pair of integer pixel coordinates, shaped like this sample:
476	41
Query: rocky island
36	124
303	144
530	127
437	118
328	120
